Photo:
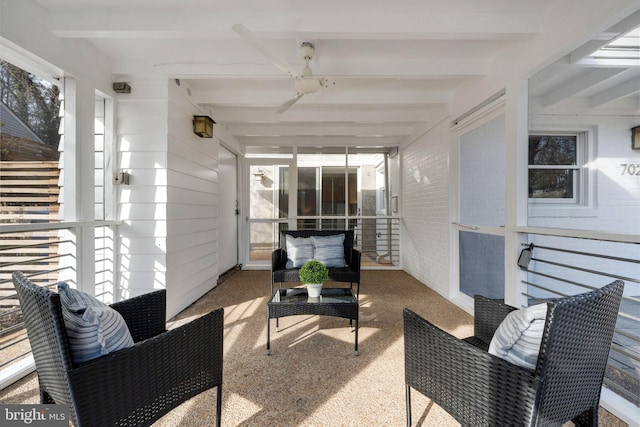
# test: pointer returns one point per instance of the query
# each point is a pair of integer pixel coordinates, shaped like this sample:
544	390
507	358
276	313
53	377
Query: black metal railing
378	238
562	266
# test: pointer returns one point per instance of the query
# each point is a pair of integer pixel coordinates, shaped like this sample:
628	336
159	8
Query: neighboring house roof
12	125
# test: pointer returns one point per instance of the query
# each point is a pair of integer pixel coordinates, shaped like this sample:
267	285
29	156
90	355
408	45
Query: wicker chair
133	386
477	388
350	274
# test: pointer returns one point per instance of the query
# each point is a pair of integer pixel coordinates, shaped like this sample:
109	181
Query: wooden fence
28	194
13	148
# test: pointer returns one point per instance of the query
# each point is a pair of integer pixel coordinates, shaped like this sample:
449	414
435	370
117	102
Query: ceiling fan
305	83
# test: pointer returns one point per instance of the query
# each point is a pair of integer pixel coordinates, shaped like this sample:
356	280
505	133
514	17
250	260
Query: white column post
79	181
516	187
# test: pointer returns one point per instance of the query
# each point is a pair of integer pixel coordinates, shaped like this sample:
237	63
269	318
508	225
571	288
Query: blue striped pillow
93	328
329	250
519	336
299	251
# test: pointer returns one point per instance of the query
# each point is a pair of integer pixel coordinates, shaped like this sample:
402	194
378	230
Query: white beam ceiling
393	67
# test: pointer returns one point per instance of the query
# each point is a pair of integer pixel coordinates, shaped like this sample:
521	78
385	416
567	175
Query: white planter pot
313	289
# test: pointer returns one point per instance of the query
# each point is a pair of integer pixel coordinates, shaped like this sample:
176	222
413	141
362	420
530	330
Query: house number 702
630	169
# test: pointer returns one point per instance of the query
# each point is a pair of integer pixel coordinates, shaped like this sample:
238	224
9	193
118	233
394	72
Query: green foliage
35	101
314	272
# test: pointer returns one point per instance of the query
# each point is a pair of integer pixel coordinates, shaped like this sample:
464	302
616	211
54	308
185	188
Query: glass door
308	197
268	207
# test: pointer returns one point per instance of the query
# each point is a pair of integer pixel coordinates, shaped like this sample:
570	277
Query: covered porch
431	141
298	384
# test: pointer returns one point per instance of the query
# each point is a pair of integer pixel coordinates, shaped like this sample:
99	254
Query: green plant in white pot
313	274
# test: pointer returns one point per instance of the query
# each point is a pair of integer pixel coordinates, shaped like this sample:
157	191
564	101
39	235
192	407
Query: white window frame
583	202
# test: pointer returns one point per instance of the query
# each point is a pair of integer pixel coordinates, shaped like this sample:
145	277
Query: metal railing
562	266
45	263
376	237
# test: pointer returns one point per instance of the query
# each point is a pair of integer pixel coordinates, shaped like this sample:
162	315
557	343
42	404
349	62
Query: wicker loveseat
478	388
349	273
133	386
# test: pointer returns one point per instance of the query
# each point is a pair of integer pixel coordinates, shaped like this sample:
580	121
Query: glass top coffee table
336	302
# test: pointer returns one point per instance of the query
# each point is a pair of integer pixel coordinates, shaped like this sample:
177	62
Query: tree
34	100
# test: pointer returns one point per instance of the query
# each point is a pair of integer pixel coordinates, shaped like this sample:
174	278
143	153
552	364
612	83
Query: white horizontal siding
142	160
178	227
183	181
144	228
144	125
149	104
136	283
195	197
145	193
191	211
142	143
200	281
145	262
181	162
187	240
196	254
143	245
170	207
144	211
147	177
142	152
192	174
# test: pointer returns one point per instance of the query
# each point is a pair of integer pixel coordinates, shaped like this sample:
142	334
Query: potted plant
313	274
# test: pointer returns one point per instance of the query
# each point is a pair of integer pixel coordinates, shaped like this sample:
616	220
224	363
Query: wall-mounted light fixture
121	87
635	138
259	174
203	126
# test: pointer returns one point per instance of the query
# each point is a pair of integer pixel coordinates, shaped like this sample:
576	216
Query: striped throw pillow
299	251
329	250
93	328
519	336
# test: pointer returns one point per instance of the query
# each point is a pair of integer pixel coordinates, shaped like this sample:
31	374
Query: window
555	168
29	169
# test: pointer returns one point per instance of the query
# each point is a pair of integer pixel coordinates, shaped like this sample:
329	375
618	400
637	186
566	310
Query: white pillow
329	250
299	251
93	328
519	336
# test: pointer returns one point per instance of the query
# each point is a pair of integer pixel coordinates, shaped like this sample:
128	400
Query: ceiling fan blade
287	104
254	41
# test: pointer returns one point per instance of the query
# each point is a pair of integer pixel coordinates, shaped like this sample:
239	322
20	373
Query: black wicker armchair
477	388
349	274
132	386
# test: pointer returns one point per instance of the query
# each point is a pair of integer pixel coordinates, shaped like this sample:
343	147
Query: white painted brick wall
425	208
